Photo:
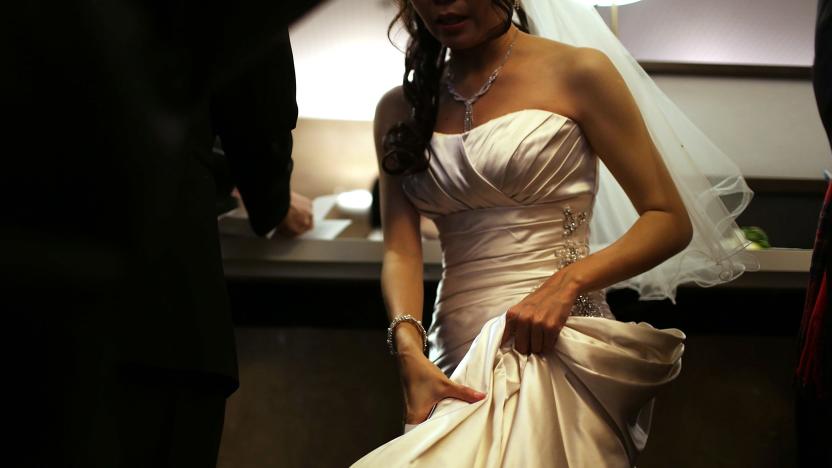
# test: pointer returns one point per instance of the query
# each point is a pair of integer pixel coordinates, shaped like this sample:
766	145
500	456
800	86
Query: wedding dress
512	200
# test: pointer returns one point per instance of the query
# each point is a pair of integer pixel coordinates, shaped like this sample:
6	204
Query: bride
518	146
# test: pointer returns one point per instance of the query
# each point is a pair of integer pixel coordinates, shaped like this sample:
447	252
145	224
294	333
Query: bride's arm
609	117
607	113
402	281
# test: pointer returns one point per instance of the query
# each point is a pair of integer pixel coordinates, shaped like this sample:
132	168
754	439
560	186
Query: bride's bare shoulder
586	78
573	64
392	107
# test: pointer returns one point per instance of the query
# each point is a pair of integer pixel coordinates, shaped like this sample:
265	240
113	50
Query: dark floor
312	396
316	397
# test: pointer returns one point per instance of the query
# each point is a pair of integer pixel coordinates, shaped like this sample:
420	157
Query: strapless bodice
527	157
511	199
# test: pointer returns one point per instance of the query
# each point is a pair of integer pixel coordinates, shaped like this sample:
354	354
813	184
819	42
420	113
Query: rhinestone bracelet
410	319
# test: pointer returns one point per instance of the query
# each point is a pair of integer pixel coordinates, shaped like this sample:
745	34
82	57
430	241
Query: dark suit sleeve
244	29
254	115
823	64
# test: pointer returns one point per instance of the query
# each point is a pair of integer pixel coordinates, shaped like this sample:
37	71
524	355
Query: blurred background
317	387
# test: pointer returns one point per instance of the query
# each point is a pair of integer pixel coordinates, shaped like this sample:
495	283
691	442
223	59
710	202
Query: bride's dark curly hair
406	145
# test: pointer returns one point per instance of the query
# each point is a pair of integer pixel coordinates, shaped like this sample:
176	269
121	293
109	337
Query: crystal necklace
468	123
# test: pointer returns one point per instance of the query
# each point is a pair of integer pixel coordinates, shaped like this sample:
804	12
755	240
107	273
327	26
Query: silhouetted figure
814	398
111	272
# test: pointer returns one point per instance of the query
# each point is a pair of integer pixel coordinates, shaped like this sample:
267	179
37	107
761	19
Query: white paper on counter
235	222
326	229
322	205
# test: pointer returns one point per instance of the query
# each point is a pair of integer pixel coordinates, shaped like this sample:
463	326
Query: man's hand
299	218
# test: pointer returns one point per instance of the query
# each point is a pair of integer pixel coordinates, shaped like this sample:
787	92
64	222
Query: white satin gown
512	199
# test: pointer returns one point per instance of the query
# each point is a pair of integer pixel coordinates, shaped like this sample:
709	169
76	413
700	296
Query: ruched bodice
528	157
511	199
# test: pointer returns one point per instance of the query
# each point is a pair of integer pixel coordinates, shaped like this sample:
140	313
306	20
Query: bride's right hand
424	384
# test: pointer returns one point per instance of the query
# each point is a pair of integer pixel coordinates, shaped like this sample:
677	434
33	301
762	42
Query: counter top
247	258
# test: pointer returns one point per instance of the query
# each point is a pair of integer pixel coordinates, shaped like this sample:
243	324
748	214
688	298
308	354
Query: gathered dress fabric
512	200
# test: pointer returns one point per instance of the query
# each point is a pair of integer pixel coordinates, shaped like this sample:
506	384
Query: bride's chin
460	41
464	42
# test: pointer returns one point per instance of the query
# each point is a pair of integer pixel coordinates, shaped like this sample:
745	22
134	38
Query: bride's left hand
536	321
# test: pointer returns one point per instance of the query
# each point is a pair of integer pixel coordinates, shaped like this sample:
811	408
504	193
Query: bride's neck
482	58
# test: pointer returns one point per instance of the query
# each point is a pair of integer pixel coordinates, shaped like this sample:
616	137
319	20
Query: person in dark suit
252	116
112	280
814	371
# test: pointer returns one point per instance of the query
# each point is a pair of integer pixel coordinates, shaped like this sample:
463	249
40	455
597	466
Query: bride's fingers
463	393
537	338
521	337
550	337
511	325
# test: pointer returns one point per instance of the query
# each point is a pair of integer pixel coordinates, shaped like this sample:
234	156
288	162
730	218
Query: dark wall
787	210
